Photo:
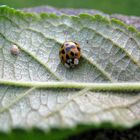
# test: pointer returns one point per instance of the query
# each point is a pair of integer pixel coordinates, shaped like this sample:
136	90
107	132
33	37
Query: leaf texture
110	54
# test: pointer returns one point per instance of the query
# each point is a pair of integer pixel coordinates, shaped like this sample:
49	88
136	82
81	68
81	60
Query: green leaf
36	90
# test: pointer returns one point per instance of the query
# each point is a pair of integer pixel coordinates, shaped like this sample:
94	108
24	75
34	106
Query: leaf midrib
122	87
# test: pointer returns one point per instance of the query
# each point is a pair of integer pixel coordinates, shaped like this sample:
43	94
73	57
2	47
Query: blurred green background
128	7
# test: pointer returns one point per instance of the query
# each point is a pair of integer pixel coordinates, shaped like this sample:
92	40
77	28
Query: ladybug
70	53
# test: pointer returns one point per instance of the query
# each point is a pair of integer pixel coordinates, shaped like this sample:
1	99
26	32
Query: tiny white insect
14	50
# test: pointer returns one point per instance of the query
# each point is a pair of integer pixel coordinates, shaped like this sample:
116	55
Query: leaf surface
110	54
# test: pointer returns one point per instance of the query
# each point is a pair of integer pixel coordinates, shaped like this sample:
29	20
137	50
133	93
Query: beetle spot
62	58
67	56
72	53
72	61
63	52
78	49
